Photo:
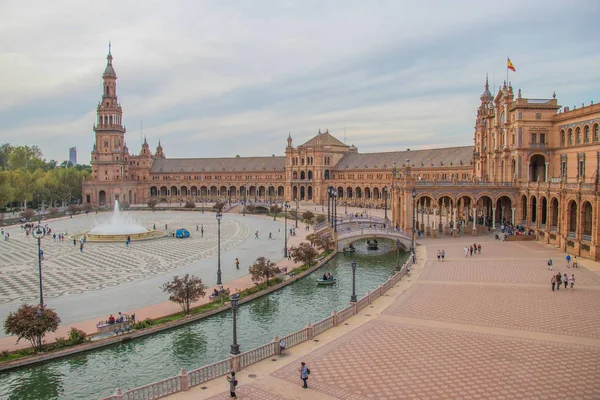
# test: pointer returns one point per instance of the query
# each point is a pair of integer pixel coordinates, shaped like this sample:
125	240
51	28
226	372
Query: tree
304	253
262	269
31	323
275	209
189	204
28	213
74	209
321	218
25	184
307	216
185	290
26	158
6	189
152	203
250	208
219	206
324	242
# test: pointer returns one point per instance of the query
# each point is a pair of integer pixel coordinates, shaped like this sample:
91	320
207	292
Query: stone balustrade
186	380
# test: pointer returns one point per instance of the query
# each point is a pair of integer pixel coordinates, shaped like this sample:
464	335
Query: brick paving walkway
485	327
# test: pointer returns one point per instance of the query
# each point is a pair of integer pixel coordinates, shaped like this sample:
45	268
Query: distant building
532	164
73	155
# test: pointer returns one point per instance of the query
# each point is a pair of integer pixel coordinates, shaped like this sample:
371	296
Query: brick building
532	163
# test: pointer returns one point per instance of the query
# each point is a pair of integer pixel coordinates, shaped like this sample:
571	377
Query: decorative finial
519	93
554	94
109	46
487	85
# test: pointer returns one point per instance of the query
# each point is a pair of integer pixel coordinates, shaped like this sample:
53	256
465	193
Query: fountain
119	228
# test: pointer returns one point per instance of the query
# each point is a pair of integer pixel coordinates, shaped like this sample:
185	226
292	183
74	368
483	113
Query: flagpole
507	70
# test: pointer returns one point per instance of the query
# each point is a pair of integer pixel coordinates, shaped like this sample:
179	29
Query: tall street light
353	297
385	192
274	209
296	212
414	196
229	193
398	243
219	216
38	233
285	234
235	347
244	205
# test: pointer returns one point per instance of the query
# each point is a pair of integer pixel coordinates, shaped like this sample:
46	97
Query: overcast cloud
214	78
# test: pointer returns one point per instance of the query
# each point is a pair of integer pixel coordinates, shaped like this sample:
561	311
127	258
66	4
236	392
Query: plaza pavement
85	287
481	327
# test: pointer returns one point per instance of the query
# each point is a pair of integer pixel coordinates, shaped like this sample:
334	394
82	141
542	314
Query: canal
96	374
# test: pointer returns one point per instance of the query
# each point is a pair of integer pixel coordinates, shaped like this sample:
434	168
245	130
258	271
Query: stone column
493	218
441	207
546	172
528	173
474	230
512	216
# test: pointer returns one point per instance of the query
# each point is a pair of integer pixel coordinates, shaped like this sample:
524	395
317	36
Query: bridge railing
185	380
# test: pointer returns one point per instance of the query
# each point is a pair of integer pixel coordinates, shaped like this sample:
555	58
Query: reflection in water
142	361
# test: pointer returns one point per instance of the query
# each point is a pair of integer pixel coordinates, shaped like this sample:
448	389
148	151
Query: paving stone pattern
386	360
527	272
248	392
566	312
66	270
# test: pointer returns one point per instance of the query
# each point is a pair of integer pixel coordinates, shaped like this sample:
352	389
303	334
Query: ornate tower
108	156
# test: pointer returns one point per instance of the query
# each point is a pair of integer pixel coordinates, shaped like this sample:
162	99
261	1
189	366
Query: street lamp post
219	216
255	192
38	233
414	196
229	193
285	232
328	204
398	243
335	211
385	192
353	297
235	347
296	212
274	208
244	205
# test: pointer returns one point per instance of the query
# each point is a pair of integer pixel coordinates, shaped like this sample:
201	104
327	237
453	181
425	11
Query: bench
116	327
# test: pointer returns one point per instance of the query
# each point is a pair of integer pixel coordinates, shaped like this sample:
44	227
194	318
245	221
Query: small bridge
344	239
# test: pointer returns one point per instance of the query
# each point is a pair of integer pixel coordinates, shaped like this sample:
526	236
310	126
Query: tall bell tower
108	155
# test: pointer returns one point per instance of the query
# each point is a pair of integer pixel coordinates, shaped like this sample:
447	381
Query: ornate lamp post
385	192
398	243
235	347
229	193
414	196
296	212
274	208
38	233
219	216
353	297
285	232
335	195
244	205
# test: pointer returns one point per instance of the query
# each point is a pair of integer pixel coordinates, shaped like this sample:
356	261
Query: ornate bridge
344	239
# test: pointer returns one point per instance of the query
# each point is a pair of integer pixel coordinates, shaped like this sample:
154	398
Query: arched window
578	135
502	117
570	137
586	134
596	132
562	138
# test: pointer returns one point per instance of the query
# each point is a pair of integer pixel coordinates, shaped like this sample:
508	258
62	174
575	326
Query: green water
96	374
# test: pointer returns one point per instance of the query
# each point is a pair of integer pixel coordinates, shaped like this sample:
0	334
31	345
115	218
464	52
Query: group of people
441	255
217	292
303	370
120	318
558	280
327	276
474	248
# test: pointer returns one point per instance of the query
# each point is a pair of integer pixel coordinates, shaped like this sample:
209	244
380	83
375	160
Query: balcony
301	180
538	145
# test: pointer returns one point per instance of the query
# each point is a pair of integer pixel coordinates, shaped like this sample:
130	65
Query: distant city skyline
213	80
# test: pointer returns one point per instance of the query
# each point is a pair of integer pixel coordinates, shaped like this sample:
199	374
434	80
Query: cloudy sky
215	78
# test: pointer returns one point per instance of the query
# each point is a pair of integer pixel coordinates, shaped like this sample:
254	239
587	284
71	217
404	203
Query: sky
218	79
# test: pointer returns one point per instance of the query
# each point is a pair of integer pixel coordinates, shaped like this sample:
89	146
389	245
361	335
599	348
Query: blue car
182	234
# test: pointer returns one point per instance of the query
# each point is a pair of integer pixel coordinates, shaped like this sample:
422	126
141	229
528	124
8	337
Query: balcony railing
538	145
571	235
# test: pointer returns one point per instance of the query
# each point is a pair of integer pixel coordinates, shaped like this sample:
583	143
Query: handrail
186	380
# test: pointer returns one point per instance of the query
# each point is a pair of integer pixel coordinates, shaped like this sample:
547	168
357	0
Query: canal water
96	374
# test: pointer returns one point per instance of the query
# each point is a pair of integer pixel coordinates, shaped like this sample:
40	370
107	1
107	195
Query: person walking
565	280
568	258
304	372
558	281
439	255
81	247
553	282
202	231
575	262
256	235
443	254
479	248
550	264
572	281
237	263
471	250
466	251
232	384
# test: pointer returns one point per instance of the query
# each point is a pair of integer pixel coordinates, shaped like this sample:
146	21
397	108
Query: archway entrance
537	168
102	197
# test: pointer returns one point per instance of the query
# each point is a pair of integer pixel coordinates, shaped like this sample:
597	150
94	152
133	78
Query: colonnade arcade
214	192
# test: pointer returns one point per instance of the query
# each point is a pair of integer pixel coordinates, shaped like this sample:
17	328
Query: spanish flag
510	65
